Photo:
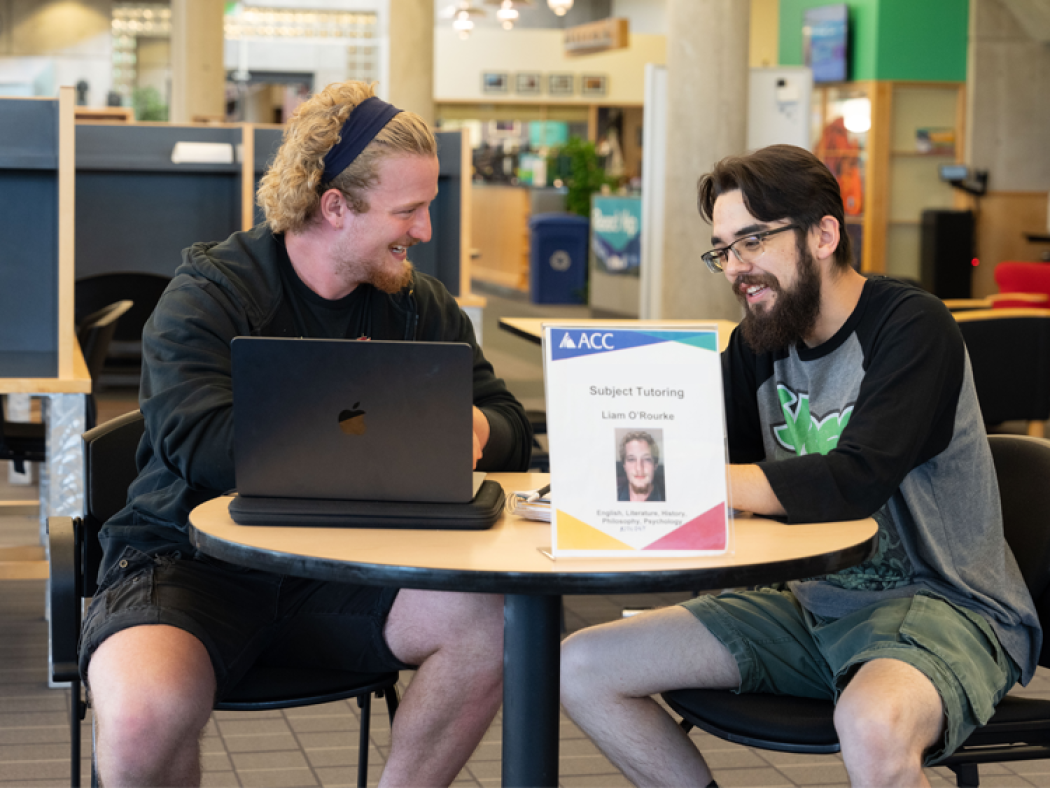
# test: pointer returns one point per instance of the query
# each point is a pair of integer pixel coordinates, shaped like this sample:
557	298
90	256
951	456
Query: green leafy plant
579	166
148	104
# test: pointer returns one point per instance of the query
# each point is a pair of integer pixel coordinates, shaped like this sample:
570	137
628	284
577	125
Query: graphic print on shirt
802	432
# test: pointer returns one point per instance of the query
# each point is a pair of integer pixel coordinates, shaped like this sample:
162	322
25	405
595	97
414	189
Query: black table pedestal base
531	690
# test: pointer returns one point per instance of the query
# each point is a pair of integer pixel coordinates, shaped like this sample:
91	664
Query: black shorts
243	616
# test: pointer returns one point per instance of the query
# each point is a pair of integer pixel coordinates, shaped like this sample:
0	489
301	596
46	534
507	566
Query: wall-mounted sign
600	36
616	234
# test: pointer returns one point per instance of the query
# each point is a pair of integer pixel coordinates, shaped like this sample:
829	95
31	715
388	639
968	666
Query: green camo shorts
784	649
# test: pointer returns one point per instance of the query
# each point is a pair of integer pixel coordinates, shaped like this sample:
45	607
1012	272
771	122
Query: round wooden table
509	559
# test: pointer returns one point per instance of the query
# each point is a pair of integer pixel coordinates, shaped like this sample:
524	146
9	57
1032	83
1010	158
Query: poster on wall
616	234
637	441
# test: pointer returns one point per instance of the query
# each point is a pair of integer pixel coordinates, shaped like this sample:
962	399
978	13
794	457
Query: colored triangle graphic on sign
575	534
706	532
707	340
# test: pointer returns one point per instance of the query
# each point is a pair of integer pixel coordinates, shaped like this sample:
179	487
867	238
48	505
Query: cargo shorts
782	648
243	616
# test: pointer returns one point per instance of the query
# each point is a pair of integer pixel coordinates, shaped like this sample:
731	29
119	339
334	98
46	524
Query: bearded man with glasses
846	397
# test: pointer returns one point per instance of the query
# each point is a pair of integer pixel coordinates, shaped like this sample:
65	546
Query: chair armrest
64	590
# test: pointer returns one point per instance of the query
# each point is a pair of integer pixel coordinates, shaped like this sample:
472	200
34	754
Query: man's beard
391	281
793	313
377	274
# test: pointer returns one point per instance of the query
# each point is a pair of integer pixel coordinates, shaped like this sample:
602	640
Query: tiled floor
317	746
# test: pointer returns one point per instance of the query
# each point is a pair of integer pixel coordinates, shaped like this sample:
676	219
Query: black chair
95	334
540	460
23	442
123	363
20	442
1020	728
1010	355
75	555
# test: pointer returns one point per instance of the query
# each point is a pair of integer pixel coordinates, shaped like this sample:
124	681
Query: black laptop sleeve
477	515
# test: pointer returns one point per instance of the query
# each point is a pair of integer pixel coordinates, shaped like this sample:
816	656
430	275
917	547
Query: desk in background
506	559
64	398
38	348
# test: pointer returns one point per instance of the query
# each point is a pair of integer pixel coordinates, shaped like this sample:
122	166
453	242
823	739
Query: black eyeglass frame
711	258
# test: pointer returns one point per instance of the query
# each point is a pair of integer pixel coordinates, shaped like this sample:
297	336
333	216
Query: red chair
1023	277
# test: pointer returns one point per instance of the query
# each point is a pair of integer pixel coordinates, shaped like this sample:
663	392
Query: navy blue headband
365	121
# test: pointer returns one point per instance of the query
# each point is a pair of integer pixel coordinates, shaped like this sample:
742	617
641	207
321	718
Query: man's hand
481	434
750	491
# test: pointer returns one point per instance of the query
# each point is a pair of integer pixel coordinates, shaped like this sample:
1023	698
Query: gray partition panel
137	210
29	228
134	221
267	141
439	257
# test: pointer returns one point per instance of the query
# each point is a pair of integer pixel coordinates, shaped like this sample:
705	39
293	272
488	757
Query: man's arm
749	491
505	437
187	391
904	416
481	434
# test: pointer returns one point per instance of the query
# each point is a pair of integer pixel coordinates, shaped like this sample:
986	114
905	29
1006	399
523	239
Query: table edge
541	583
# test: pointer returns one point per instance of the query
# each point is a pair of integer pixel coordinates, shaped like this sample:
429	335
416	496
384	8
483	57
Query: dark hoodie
236	288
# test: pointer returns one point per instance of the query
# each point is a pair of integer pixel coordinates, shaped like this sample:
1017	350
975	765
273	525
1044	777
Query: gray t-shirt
883	420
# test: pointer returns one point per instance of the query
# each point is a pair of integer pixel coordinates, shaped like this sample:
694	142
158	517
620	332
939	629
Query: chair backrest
1010	354
1022	467
96	332
1022	277
144	289
109	469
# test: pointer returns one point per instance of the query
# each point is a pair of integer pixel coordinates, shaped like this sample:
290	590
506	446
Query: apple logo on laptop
352	422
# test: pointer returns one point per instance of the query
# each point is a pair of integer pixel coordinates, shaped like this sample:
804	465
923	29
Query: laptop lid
353	420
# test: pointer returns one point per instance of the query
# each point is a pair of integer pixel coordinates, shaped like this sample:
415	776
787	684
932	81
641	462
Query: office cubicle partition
36	223
137	209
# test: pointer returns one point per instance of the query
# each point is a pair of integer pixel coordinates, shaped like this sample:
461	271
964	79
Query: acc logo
595	341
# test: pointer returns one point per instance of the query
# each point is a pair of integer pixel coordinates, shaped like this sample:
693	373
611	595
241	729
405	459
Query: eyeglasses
747	249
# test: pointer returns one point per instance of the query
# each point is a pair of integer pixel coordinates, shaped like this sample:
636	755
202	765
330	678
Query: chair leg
392	701
364	702
74	733
94	757
966	775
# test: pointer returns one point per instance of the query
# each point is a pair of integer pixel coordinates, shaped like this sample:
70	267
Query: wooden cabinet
500	235
885	142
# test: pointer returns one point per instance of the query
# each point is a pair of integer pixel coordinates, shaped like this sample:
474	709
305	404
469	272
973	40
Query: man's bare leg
457	641
609	673
152	690
887	717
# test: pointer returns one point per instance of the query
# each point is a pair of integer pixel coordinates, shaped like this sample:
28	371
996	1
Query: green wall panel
923	41
891	39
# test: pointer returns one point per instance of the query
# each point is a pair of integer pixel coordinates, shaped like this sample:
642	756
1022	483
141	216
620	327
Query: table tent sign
636	435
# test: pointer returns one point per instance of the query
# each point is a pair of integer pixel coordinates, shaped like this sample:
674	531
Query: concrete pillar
198	77
707	77
412	57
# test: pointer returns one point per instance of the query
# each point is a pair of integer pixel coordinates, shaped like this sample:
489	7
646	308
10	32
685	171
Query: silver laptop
353	420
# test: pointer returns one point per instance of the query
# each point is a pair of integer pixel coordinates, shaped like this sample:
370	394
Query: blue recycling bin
558	258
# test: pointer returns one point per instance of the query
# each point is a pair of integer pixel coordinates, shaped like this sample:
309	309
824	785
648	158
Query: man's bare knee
886	718
424	623
152	688
653	652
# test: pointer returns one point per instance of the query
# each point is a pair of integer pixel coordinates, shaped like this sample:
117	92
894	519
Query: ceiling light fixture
507	14
560	7
462	13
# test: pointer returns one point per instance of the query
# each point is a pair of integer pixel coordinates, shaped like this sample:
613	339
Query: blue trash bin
558	258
